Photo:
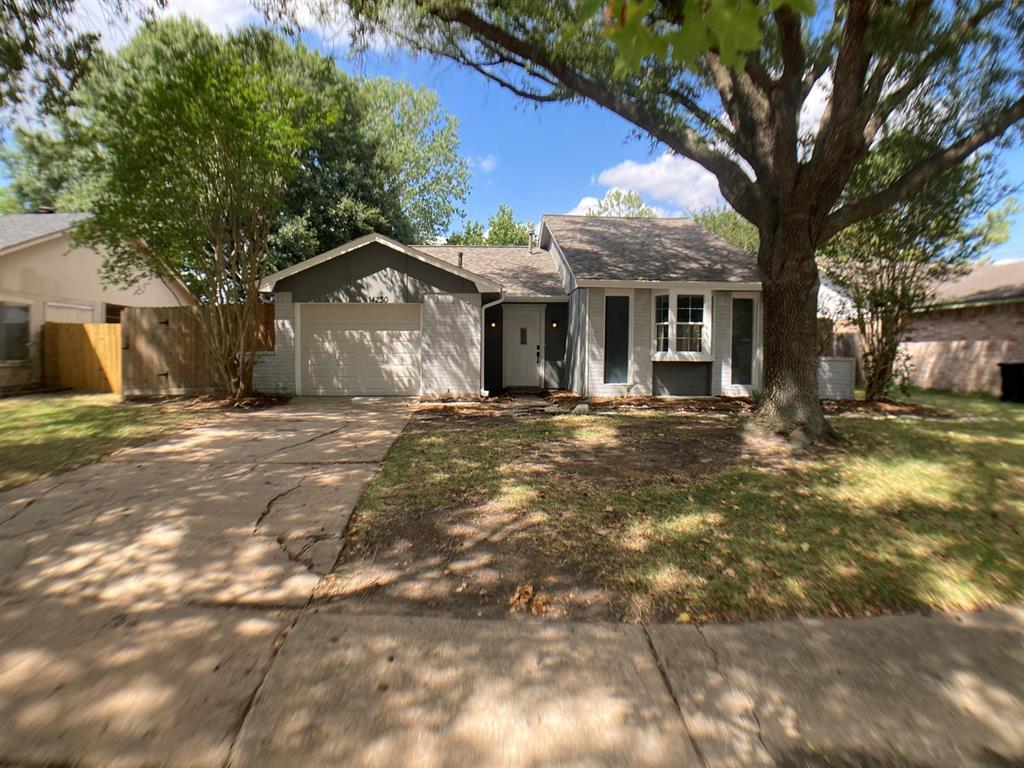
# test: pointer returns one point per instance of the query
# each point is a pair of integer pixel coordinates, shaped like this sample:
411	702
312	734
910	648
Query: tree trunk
789	405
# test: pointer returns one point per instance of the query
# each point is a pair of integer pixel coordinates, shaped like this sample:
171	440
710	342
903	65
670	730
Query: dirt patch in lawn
474	539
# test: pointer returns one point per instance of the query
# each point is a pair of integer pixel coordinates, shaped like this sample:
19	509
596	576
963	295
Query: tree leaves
642	29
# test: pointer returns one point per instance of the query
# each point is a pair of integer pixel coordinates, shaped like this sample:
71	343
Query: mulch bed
510	405
213	402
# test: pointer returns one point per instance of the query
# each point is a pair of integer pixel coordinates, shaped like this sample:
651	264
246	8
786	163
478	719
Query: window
689	323
661	323
743	342
616	339
681	325
112	313
13	333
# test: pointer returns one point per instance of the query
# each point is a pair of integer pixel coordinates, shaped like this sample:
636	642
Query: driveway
161	608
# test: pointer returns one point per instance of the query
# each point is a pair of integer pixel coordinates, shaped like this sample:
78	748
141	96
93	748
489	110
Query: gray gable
17	228
669	249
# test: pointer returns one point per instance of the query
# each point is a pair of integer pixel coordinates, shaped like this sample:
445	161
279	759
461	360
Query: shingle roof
16	228
614	248
520	271
984	283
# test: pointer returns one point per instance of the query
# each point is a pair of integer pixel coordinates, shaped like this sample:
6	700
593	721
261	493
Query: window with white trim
682	325
661	323
689	322
13	333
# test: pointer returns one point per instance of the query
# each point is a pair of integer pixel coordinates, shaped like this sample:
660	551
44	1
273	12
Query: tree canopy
194	139
502	229
622	202
742	109
385	158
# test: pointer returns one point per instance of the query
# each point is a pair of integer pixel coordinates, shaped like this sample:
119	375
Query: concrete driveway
160	608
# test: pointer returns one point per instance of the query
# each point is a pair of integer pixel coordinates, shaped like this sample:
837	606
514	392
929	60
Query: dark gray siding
369	272
686	379
556	322
556	317
493	350
576	343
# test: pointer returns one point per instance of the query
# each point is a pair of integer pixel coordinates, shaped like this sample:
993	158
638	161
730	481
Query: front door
522	343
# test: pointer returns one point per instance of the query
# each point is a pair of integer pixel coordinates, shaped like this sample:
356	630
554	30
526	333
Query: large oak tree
740	118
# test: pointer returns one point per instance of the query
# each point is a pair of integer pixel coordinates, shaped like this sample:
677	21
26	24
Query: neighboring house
974	323
602	306
43	277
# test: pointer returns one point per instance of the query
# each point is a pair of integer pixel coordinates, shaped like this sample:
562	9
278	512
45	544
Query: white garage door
359	349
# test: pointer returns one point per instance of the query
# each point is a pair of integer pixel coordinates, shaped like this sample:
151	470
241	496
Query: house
600	306
974	323
45	278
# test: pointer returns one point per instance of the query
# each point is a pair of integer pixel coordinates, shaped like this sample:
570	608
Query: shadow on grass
646	517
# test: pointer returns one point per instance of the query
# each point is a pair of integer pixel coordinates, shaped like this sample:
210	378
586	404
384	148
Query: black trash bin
1013	381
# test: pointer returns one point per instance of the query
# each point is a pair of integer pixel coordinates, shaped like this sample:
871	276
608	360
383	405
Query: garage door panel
360	349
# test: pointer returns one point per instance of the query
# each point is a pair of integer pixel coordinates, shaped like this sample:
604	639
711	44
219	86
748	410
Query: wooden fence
82	356
165	352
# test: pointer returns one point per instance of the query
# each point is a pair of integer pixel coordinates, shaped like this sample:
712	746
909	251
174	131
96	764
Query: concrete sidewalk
88	684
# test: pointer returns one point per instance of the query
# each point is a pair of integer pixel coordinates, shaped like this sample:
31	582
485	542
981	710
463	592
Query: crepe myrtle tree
725	84
195	138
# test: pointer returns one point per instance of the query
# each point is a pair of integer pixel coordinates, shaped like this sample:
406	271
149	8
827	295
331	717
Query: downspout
483	337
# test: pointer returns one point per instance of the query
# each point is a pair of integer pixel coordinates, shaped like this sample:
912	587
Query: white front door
523	353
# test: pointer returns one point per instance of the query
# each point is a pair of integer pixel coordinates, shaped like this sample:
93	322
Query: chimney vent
460	259
533	239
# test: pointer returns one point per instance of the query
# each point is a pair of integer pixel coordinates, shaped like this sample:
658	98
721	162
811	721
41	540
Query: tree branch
734	184
912	180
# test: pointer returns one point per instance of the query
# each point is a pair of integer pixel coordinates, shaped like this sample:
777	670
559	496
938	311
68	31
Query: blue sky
537	160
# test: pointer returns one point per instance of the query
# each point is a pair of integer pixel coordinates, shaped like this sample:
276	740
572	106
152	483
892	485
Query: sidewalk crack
725	678
672	694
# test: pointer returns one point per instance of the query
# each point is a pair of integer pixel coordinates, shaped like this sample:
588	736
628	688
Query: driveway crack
753	705
672	694
317	436
270	504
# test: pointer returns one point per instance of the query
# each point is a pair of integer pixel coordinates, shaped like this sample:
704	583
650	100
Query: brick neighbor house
975	323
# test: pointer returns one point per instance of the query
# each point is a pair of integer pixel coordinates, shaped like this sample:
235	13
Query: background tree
890	265
730	226
502	229
388	161
739	116
197	136
622	202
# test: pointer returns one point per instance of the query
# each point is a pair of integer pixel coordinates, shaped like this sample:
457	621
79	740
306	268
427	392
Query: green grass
45	434
905	514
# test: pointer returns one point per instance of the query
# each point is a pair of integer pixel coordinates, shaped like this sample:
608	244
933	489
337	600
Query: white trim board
693	285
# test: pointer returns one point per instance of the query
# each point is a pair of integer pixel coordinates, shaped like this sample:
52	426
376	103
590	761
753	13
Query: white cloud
220	15
669	178
814	105
483	163
583	206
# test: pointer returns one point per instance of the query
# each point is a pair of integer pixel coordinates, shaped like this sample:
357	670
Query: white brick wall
451	344
643	369
721	343
274	372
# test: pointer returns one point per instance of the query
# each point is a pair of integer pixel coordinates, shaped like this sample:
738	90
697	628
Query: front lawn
44	434
665	516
